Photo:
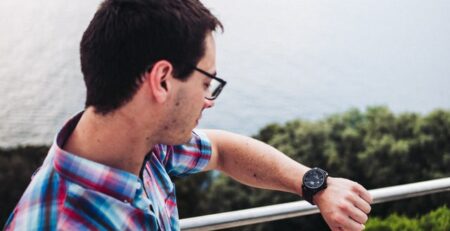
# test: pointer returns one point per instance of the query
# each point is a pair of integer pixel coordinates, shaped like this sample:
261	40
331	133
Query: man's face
190	98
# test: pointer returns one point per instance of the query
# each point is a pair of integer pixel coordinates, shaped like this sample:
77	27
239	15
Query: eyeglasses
215	87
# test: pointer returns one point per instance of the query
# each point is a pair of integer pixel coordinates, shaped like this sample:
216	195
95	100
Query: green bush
375	148
437	220
393	223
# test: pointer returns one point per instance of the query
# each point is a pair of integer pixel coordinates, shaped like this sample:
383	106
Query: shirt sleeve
189	158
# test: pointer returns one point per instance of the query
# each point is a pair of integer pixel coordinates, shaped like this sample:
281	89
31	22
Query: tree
376	148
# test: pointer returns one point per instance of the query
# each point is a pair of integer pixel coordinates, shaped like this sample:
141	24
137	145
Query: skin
344	204
165	110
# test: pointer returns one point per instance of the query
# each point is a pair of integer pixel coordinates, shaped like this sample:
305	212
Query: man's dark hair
126	37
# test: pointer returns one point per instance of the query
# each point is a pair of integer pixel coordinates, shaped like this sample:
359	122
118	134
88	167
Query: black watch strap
307	195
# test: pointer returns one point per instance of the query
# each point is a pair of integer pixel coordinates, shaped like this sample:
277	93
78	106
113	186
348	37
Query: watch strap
307	195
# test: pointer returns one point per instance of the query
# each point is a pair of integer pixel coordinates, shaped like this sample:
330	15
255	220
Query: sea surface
282	59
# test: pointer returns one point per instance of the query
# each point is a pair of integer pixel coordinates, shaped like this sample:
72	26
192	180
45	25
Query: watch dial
314	179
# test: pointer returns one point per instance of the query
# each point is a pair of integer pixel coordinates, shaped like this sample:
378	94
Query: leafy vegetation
437	220
376	148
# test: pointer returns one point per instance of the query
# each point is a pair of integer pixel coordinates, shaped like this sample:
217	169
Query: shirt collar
117	183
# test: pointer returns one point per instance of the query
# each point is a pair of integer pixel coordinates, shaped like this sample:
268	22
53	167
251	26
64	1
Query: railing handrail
302	208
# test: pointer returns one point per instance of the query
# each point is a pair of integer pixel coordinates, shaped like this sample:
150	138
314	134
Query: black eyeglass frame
216	91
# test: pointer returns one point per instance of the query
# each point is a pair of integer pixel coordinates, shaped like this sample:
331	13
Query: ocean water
282	59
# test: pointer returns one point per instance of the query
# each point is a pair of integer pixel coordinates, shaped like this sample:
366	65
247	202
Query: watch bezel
322	177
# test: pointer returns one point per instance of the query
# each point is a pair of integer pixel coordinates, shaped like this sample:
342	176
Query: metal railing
302	208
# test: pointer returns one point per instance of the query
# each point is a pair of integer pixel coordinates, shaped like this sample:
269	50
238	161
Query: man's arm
344	204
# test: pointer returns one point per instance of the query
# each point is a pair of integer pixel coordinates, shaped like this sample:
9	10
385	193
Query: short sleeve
189	158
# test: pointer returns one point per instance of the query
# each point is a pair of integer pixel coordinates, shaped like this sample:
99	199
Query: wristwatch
314	181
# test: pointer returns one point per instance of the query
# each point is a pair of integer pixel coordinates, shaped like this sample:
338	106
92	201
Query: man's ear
157	79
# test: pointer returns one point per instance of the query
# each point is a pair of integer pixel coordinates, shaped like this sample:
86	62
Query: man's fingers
337	228
362	204
348	224
353	225
363	193
350	211
358	215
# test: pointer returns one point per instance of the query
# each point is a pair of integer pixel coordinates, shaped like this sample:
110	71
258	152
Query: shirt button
138	185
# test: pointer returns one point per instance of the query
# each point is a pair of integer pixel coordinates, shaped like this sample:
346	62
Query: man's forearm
255	163
344	204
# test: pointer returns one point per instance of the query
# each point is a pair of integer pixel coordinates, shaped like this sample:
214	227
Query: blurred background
282	59
374	66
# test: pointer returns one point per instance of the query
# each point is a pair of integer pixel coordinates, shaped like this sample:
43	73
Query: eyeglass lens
214	89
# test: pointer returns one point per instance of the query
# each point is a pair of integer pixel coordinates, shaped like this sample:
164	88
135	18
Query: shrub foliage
437	220
376	148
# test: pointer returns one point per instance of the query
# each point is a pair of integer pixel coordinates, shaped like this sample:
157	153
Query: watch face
314	179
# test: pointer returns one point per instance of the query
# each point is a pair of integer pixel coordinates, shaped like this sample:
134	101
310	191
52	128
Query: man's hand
344	204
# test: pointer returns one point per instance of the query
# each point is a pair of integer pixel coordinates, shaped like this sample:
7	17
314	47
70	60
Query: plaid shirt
73	193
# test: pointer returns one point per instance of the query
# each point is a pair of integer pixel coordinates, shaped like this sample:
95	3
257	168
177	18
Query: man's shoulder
53	202
39	203
50	202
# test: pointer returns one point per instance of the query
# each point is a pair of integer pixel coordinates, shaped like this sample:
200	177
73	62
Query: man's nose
208	103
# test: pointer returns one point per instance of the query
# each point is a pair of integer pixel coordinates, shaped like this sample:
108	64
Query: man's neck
116	140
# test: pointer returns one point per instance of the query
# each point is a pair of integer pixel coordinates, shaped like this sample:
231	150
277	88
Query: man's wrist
317	198
314	181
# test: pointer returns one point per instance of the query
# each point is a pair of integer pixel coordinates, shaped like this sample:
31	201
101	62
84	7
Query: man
149	69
